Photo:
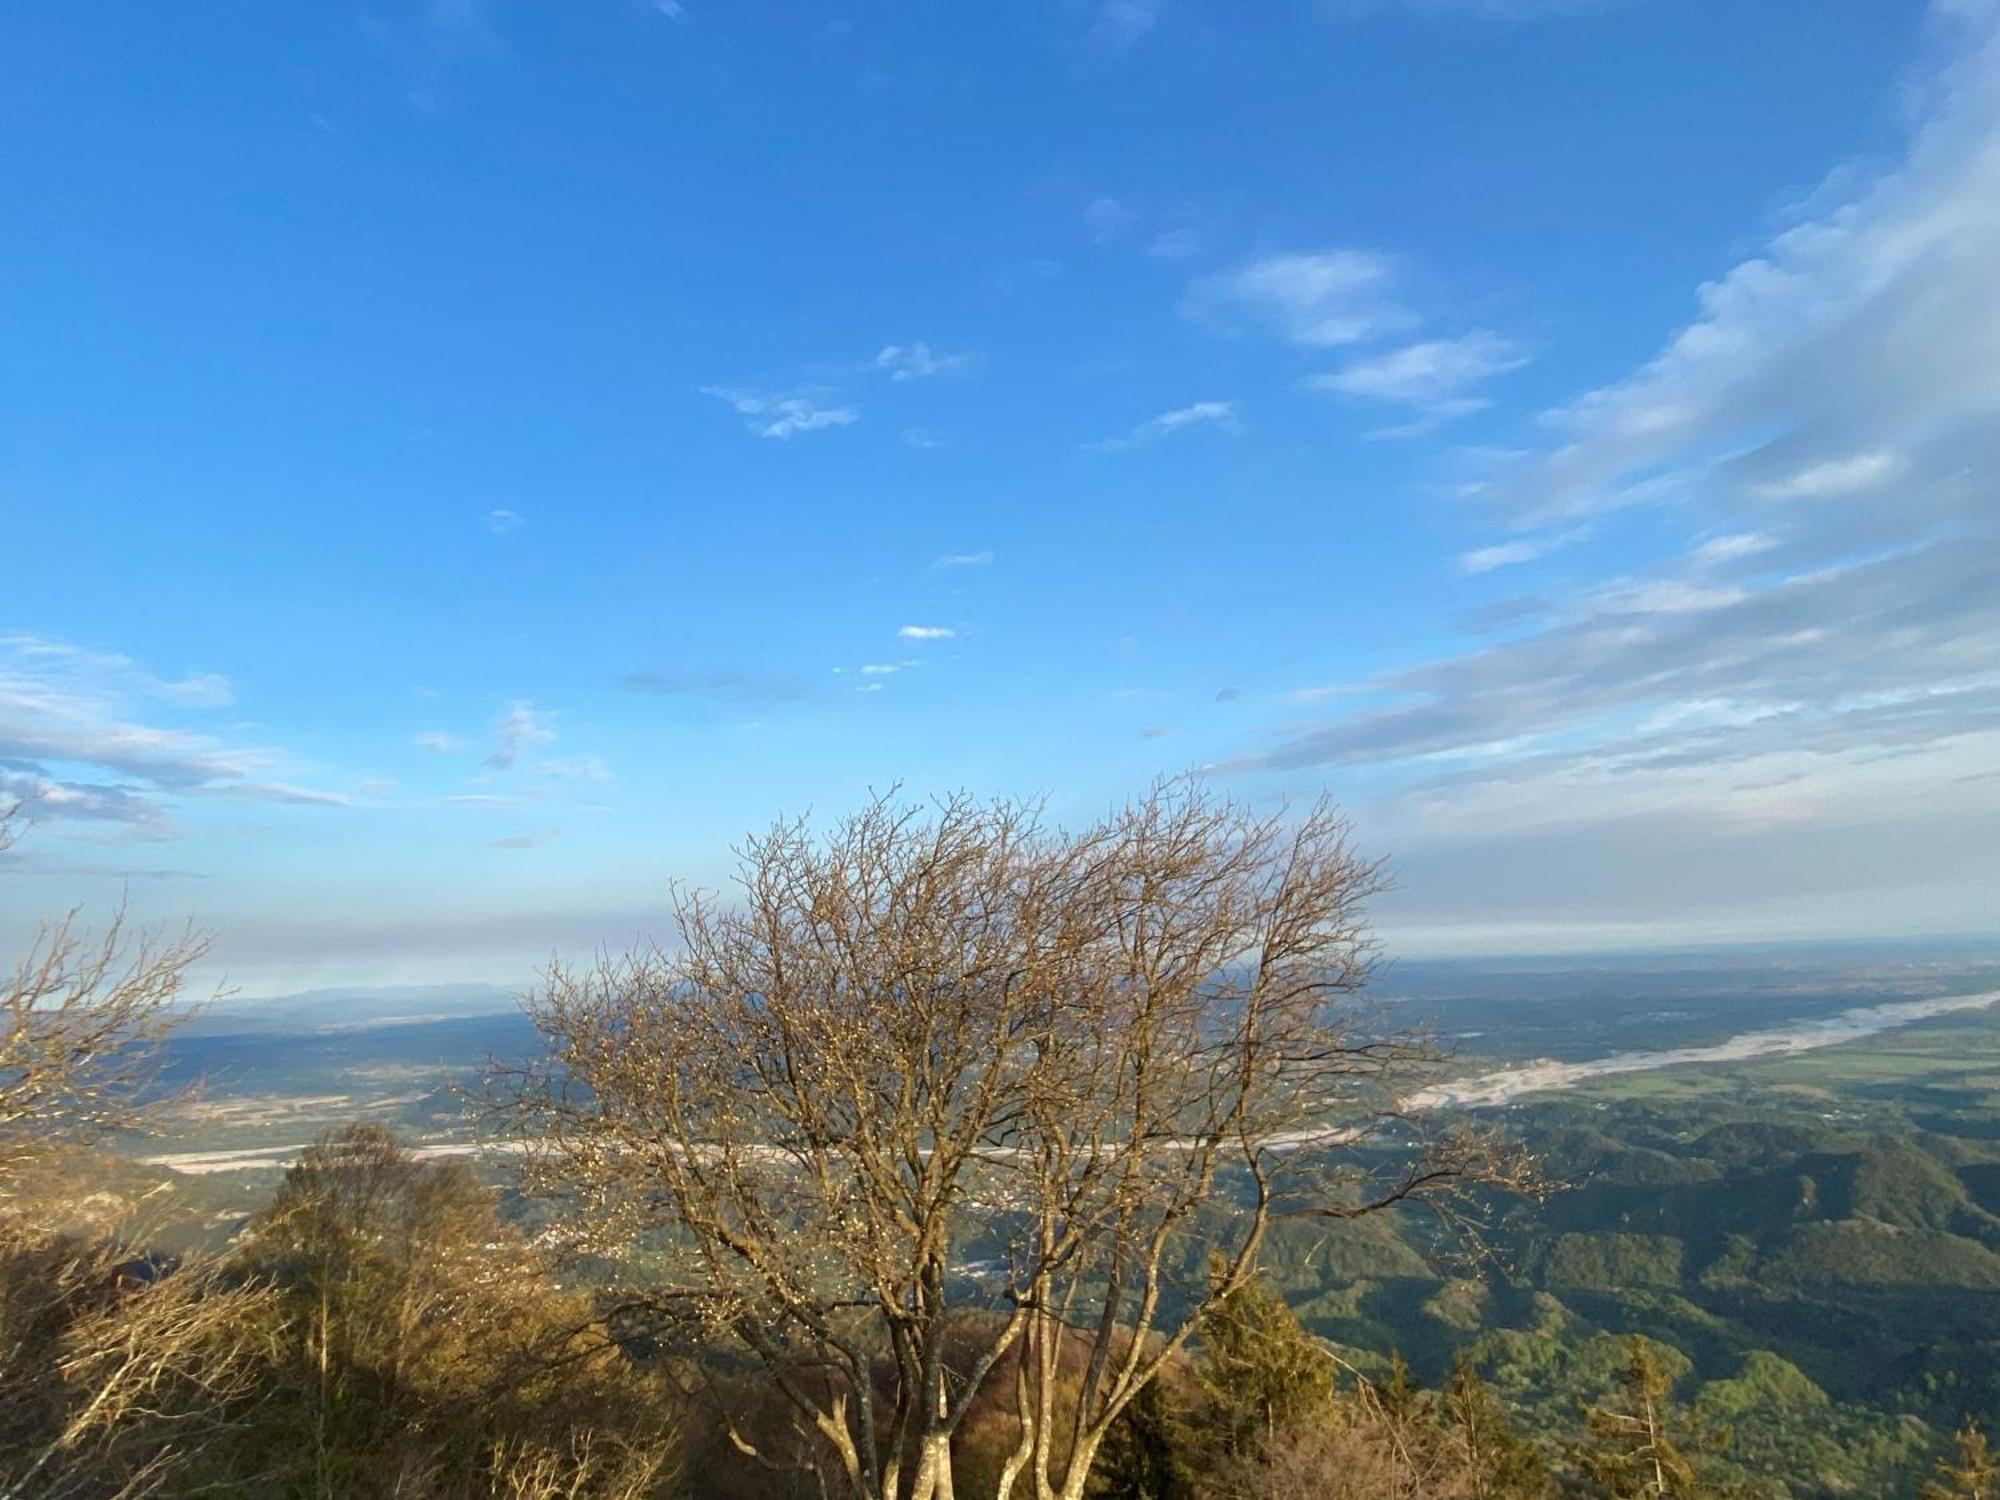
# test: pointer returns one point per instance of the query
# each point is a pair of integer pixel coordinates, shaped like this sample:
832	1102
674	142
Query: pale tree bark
953	1062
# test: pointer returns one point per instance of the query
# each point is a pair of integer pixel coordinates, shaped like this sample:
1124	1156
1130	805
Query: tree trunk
1024	1413
932	1480
1076	1474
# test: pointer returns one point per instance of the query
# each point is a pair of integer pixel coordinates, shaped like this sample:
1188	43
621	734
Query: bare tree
80	1015
116	1372
957	1062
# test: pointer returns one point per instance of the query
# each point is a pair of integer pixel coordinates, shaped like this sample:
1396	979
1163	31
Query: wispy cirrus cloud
1120	24
785	415
82	737
875	674
1436	377
963	560
1521	549
1849	366
1828	478
1219	414
1323	299
926	632
1346	298
919	361
521	728
1806	675
1875	656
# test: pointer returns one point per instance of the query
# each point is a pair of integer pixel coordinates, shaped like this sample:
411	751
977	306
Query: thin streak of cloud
783	416
1217	414
72	731
919	361
1436	376
1512	553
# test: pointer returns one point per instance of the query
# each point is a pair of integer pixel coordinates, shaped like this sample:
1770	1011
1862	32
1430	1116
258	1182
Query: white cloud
1508	554
963	560
438	742
1857	348
919	361
1830	477
1730	548
1105	219
1175	244
921	437
1122	23
505	522
1435	376
106	674
1783	715
782	416
1660	596
521	726
80	739
1318	300
1199	414
926	632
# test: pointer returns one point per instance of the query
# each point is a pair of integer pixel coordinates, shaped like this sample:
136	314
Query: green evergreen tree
1260	1370
1500	1464
1147	1453
1641	1448
1972	1473
1398	1393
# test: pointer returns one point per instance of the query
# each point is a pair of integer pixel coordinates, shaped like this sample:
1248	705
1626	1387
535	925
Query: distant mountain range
351	1009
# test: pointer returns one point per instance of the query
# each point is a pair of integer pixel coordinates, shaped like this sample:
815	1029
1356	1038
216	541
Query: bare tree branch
951	1060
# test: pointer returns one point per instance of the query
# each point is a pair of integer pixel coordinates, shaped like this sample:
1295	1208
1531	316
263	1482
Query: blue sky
464	463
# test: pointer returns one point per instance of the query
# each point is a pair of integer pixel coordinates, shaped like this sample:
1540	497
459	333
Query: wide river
1506	1084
